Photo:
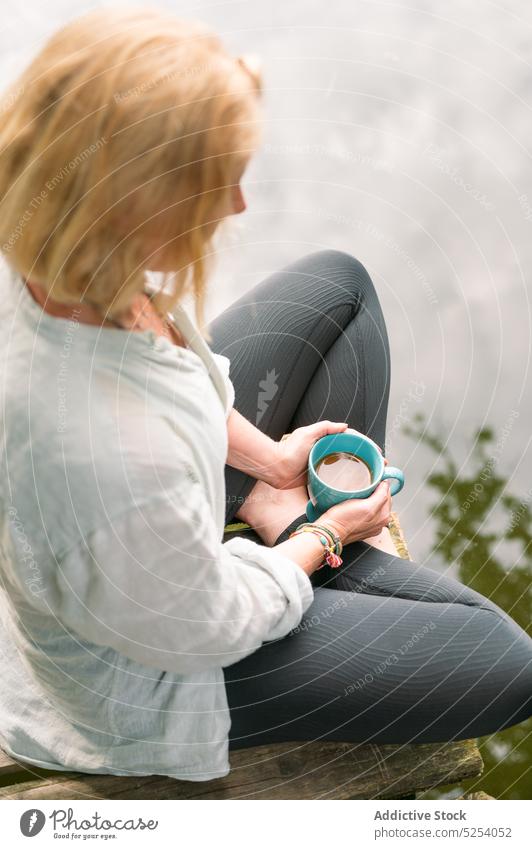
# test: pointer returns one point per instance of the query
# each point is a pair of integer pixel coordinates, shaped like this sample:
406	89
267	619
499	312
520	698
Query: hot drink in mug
343	470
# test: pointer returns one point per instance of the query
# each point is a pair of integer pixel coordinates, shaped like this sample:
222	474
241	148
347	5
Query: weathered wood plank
398	537
286	771
12	772
7	766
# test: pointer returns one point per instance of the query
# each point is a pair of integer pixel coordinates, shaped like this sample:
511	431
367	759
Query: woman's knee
511	676
343	269
470	675
493	690
340	268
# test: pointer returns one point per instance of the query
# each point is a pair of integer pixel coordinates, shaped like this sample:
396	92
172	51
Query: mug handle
397	479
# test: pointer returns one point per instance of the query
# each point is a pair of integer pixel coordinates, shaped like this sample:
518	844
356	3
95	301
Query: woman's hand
360	518
291	464
283	464
292	452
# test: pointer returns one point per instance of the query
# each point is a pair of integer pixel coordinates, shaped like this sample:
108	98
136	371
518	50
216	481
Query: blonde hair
124	133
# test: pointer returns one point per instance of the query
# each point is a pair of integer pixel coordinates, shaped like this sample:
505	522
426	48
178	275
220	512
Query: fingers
353	430
382	500
381	493
361	518
324	427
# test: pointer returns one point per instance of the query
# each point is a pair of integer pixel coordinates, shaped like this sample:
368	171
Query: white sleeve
157	585
224	365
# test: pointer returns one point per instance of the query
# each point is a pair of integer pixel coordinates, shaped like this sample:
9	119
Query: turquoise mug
322	496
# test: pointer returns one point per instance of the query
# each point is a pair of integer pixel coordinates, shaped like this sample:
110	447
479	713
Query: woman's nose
239	203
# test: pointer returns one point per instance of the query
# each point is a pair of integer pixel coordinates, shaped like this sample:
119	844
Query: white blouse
119	603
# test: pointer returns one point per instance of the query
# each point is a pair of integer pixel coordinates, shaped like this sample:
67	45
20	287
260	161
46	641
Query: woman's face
234	204
238	203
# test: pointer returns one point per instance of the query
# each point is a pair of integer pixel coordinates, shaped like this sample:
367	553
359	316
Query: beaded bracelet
336	542
331	558
322	532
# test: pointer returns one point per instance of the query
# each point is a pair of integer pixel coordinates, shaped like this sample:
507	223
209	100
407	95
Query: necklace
153	321
140	320
136	316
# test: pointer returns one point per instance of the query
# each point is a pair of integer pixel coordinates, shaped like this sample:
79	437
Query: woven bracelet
335	539
331	558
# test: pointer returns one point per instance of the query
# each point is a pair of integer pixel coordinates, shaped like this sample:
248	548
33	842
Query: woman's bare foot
269	510
383	541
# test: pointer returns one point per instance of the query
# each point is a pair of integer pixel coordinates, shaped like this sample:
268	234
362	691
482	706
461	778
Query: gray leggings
389	651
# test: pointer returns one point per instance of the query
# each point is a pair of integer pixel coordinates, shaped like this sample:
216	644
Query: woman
134	641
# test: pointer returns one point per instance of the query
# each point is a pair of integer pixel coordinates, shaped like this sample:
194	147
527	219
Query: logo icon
268	388
32	822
